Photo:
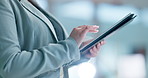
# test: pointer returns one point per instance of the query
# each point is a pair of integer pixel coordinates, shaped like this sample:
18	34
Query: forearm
33	63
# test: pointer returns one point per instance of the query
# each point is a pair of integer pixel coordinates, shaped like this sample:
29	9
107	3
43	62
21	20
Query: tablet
124	21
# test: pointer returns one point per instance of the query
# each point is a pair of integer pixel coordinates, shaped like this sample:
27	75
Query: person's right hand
80	32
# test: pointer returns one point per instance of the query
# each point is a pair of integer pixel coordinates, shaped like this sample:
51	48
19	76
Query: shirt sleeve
17	63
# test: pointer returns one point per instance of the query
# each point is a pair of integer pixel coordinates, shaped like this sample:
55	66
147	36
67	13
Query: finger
85	29
98	46
93	31
94	49
94	26
90	28
93	53
89	55
102	42
81	26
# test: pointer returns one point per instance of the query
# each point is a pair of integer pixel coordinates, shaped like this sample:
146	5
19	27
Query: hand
93	52
80	32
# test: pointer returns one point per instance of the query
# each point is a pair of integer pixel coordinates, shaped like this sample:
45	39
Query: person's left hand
92	52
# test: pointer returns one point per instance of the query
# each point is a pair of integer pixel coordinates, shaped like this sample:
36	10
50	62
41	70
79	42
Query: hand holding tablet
127	19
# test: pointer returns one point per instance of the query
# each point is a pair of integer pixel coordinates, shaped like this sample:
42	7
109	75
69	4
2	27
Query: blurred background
125	53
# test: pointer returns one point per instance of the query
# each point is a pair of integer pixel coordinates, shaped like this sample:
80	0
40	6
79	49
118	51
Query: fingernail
96	31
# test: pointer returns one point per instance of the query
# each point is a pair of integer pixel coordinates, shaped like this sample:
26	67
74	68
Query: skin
79	34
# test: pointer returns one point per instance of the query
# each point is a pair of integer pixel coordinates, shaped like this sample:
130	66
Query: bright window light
86	70
132	66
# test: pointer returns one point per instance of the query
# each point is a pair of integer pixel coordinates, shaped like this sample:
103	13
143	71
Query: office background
125	53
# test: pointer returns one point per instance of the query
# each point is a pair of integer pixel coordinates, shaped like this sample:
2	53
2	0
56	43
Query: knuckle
74	28
87	27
